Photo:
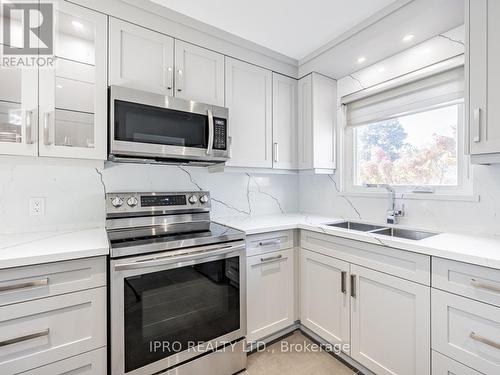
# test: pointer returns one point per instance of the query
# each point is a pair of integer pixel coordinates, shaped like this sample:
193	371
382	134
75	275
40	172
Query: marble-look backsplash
74	190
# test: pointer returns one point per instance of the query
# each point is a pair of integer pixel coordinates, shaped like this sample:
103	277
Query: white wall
319	194
74	192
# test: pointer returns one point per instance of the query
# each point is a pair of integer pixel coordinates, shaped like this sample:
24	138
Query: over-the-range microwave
149	127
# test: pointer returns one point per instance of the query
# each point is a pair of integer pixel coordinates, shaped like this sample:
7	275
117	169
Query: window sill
415	196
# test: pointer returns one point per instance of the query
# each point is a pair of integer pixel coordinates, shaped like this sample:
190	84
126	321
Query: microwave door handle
210	131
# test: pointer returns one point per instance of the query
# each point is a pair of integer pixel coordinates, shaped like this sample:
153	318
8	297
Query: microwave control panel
220	134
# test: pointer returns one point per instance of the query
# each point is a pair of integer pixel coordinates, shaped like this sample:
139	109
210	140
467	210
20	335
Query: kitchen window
410	136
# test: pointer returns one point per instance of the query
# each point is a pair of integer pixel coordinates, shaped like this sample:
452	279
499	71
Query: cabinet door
18	102
270	299
73	95
324	298
484	75
140	58
249	99
390	323
305	134
199	74
284	122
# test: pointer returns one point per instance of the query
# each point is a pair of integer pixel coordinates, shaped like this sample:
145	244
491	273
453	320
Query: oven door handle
210	131
196	253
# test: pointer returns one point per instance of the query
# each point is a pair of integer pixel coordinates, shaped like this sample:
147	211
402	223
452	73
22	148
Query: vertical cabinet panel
324	297
199	74
270	293
284	122
72	96
249	99
390	320
140	58
304	135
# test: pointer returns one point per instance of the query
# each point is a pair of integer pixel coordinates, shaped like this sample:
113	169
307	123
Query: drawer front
35	333
442	365
404	264
466	331
51	279
91	363
468	280
269	242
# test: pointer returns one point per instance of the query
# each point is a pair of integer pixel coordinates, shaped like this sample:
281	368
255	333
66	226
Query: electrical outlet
37	206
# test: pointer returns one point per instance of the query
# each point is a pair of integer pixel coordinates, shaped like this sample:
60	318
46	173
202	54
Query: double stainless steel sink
408	234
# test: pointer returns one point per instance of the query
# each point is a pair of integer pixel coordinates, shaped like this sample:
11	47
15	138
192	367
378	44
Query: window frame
462	191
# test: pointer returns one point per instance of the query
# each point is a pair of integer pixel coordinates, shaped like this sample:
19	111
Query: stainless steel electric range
177	286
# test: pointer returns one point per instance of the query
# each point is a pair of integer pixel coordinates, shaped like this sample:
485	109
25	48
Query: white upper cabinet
390	323
483	52
324	297
140	58
249	99
199	74
284	122
73	95
317	122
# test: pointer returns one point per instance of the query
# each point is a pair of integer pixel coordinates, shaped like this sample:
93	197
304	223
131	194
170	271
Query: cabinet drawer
467	331
468	280
91	363
404	264
38	332
442	365
269	242
50	279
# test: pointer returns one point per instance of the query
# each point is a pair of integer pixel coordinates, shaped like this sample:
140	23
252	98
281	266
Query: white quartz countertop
480	250
34	248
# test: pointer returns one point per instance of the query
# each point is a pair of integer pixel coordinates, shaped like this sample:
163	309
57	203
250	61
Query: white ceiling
294	28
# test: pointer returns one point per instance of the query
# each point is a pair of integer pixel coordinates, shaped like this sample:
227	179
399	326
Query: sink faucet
392	213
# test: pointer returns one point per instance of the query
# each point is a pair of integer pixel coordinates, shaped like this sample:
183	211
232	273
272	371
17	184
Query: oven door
167	309
148	125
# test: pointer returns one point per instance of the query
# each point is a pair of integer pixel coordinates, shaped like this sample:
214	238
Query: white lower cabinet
324	300
270	293
390	321
91	363
467	331
442	365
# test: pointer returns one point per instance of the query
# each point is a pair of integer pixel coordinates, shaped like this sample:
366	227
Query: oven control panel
147	202
220	134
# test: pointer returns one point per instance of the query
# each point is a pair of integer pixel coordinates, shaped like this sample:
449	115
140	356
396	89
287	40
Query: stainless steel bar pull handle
210	131
170	77
473	335
31	336
28	127
24	285
476	114
343	276
353	286
276	152
271	259
179	82
479	284
269	243
46	129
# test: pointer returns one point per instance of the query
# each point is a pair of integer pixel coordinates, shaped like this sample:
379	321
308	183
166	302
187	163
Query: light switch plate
37	206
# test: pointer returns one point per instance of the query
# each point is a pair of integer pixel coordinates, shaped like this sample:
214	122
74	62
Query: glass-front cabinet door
73	94
18	96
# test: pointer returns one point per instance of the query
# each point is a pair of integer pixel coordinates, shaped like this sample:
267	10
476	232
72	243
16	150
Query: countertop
35	248
479	250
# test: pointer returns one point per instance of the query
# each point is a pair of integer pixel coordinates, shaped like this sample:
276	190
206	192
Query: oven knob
117	202
192	199
132	201
204	199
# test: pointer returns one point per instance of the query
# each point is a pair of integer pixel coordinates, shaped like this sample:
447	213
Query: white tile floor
274	361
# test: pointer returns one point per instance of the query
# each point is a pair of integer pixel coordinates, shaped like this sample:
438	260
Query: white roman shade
434	90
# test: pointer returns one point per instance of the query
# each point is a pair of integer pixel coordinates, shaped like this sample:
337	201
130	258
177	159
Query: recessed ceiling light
361	60
77	25
408	37
426	51
381	69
